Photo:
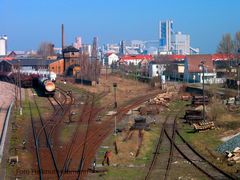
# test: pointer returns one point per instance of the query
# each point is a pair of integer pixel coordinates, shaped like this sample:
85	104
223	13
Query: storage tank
46	86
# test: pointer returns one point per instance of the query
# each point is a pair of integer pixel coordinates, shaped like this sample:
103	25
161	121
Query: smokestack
62	36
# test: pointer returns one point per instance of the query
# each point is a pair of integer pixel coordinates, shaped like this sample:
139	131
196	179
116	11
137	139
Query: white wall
154	68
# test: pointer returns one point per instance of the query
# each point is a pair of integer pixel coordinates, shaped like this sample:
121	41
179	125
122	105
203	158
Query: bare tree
226	45
90	70
45	49
237	42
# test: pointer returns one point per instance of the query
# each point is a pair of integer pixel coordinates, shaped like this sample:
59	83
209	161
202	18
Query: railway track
99	133
44	156
36	144
88	113
89	142
200	162
82	149
158	161
161	164
43	134
85	112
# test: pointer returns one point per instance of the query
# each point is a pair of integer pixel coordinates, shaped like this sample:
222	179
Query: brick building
71	57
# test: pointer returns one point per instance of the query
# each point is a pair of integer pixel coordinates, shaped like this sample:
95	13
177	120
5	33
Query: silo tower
3	45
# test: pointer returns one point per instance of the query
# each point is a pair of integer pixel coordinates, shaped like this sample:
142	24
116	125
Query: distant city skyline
28	23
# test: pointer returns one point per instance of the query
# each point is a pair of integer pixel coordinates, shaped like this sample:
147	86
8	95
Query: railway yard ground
80	131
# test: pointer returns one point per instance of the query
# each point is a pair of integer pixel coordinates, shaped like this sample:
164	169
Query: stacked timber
201	126
162	99
234	156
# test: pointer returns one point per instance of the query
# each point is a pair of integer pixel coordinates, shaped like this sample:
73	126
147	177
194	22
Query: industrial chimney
62	36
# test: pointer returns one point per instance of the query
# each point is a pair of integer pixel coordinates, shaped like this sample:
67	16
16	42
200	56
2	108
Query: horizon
112	22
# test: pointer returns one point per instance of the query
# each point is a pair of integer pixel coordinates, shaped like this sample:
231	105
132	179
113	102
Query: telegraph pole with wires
20	86
203	88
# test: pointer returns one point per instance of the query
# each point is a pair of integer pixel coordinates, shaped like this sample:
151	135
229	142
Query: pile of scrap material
201	126
193	115
162	99
234	156
233	108
140	124
146	110
198	100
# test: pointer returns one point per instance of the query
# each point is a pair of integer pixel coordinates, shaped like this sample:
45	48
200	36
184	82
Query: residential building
110	58
193	71
175	70
5	66
135	59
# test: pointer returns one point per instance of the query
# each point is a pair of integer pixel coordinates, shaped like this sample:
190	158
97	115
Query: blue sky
29	22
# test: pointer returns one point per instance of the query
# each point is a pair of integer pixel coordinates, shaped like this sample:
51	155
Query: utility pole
203	90
106	70
115	95
238	80
20	86
238	66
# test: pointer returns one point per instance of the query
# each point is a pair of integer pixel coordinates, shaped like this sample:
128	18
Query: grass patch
71	87
209	139
117	173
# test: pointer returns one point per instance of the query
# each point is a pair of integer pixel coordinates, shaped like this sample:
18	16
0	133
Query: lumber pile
234	156
201	126
162	99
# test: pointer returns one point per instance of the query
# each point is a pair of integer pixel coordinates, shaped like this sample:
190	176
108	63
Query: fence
4	131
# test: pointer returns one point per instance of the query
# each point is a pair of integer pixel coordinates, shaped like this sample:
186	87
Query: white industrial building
165	35
87	48
174	43
3	45
78	43
181	43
